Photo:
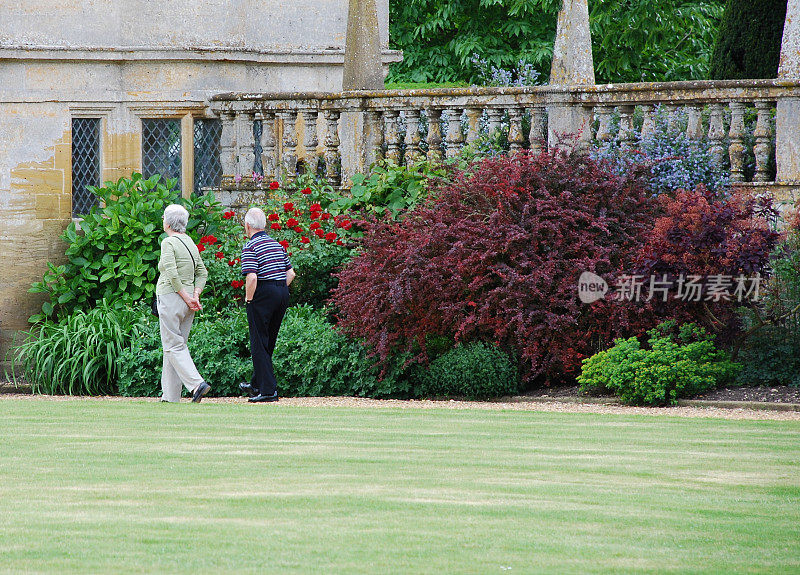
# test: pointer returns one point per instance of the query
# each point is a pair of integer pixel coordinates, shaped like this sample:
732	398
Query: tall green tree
633	40
749	40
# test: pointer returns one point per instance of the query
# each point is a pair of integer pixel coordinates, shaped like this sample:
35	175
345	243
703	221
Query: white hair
176	217
256	219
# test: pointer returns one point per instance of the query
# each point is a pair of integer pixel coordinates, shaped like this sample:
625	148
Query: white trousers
175	321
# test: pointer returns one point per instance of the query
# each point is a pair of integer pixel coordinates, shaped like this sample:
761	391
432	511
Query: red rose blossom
288	207
305	240
201	248
315	215
314	226
291	223
305	191
320	233
325	216
274	185
315	208
232	263
284	243
330	236
298	229
339	243
220	256
273	217
275	226
228	215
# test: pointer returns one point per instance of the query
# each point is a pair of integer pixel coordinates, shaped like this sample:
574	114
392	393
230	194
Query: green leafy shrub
680	361
311	358
113	253
76	355
389	188
474	370
219	344
770	347
314	359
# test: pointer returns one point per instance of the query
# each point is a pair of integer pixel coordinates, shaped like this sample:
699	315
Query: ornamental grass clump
495	256
78	354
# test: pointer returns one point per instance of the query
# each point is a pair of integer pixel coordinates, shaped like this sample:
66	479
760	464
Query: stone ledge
205	53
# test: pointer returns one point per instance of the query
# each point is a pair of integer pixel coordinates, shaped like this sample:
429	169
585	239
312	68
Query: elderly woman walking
183	276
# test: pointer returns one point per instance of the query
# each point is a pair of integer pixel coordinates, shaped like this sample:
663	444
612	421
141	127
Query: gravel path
519	404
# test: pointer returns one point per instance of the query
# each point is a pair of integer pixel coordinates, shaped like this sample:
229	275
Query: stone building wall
123	61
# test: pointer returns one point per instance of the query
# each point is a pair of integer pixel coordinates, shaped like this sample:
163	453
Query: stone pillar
573	65
787	116
363	66
363	70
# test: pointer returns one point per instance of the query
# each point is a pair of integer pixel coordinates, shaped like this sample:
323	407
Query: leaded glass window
161	148
207	167
85	163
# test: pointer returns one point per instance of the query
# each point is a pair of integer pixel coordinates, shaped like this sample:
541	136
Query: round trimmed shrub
475	371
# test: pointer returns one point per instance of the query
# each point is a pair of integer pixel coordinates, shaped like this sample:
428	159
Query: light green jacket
176	267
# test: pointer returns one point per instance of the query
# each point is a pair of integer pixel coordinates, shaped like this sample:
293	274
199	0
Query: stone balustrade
338	134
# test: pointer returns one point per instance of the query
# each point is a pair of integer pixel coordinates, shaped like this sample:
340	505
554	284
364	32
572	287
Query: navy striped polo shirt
265	257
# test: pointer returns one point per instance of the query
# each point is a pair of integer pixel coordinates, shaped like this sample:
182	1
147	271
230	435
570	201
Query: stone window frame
90	111
186	114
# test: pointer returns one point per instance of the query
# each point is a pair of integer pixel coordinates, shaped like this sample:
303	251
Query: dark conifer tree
749	41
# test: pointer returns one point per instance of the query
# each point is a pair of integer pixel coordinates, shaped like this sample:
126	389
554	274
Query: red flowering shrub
495	256
717	239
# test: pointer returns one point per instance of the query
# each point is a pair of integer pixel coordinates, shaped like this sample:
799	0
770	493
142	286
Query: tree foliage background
633	40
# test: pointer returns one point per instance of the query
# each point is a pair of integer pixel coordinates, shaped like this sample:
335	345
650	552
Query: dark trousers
264	316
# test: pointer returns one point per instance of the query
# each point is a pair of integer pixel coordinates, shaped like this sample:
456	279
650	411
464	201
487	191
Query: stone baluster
604	114
454	138
434	134
626	135
716	134
585	133
495	117
310	140
268	148
392	136
516	139
763	147
648	121
375	128
412	138
246	149
332	158
736	147
672	116
227	144
473	124
538	133
694	128
289	144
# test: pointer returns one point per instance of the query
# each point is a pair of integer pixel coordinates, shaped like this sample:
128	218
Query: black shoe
248	389
201	390
264	398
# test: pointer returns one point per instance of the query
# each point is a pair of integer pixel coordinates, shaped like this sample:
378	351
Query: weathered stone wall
123	61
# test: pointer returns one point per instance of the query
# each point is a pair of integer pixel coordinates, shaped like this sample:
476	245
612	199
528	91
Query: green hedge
475	371
312	358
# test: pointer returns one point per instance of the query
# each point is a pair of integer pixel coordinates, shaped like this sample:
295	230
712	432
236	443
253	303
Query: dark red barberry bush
718	239
495	256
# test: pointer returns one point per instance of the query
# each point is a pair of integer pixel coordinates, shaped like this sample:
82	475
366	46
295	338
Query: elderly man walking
268	273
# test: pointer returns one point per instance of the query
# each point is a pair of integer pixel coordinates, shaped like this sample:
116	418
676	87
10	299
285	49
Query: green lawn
99	486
